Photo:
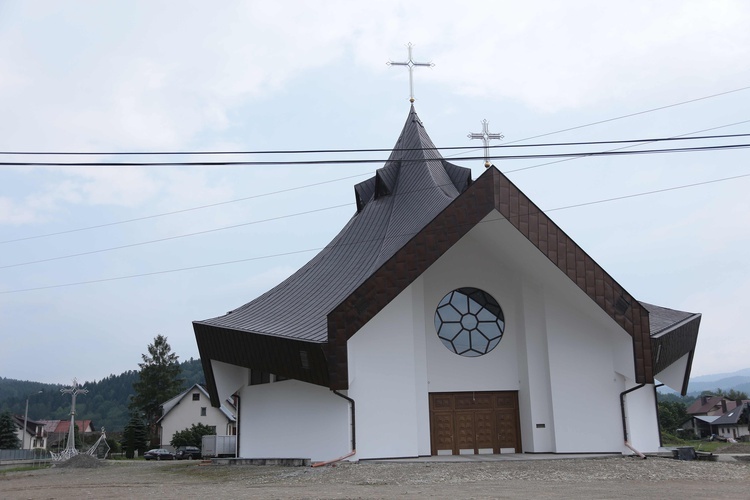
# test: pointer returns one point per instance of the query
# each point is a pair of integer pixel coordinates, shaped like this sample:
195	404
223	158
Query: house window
196	396
213	429
203	411
469	322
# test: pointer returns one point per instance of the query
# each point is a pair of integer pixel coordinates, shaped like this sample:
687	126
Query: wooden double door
474	423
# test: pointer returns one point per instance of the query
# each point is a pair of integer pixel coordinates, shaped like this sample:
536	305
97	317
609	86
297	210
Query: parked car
158	454
187	452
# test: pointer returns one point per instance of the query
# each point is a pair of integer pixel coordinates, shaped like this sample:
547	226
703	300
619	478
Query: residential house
705	411
734	423
35	435
193	406
58	430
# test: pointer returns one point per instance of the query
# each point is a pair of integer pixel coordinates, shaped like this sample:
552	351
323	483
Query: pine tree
135	436
158	381
8	438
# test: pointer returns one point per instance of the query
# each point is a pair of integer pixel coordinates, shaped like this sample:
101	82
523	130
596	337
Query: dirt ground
604	478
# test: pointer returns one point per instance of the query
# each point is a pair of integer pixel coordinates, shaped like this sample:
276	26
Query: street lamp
26	420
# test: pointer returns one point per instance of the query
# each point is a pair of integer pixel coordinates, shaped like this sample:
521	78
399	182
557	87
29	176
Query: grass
699	445
24	468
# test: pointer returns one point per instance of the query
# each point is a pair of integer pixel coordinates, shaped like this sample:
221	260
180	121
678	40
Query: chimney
723	405
704	400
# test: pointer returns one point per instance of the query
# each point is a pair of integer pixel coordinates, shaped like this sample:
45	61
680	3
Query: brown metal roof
673	335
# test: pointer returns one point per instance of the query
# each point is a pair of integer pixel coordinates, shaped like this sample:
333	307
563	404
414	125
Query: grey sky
145	76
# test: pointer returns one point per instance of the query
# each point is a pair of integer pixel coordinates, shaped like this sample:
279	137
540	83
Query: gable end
492	190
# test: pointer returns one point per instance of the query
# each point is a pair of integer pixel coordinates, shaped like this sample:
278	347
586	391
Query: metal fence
36	454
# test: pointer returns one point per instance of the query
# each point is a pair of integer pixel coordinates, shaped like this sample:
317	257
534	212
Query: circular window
469	322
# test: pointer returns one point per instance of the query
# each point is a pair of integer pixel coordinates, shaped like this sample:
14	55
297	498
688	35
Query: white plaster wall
293	419
535	395
585	387
641	419
674	375
469	265
387	380
228	378
566	358
188	412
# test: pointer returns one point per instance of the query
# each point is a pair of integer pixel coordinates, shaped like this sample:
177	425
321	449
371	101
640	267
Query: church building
448	316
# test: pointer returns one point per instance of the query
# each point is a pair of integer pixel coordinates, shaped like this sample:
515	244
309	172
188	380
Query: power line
624	147
359	150
507	144
364	161
632	114
200	207
174	212
296	252
169	238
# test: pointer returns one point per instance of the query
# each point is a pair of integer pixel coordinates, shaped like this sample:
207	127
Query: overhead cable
296	252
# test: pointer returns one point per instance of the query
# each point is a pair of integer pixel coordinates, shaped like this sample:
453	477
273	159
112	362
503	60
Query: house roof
172	403
63	426
732	416
707	418
705	404
415	208
31	425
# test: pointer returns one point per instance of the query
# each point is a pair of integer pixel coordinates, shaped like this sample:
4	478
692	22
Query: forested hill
106	403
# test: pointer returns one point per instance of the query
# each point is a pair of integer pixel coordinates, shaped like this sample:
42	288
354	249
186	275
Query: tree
672	414
192	436
135	436
730	394
158	381
8	437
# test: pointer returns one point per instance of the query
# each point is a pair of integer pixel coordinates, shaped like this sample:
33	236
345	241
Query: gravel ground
604	478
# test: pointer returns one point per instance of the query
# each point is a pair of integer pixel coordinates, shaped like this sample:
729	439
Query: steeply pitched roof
414	209
414	185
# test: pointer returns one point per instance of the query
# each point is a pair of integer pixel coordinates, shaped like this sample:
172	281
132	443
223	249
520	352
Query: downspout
354	432
624	423
656	405
237	427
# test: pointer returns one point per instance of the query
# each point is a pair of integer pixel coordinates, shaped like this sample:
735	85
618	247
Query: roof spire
486	136
410	64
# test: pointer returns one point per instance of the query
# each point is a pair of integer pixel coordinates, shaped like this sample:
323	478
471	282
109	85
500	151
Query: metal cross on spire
486	136
73	390
410	64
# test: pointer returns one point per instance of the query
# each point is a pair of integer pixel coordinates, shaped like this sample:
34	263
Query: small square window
196	396
203	411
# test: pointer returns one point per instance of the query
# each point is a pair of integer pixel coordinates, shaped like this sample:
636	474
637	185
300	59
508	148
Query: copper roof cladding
673	335
415	208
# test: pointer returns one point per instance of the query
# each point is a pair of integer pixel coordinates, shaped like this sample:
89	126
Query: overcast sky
248	76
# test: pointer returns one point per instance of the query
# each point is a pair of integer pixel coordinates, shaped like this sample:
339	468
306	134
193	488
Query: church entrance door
467	423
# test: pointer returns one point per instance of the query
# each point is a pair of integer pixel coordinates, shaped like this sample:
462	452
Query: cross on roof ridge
486	136
410	64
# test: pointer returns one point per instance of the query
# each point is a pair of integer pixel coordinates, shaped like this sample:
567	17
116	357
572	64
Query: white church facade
449	316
